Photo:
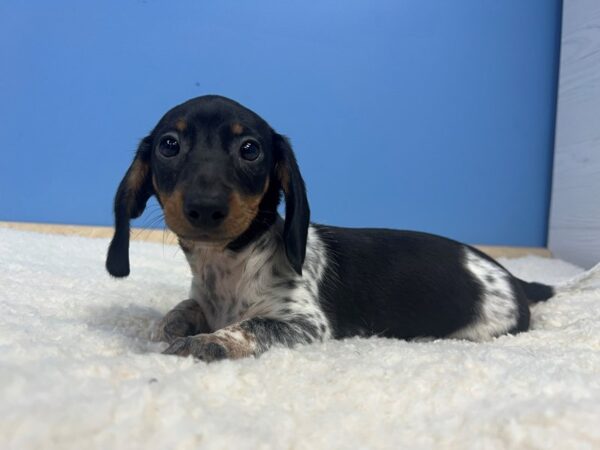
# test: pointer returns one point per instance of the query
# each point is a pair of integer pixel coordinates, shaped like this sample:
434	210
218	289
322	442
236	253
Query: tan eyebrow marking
181	125
237	128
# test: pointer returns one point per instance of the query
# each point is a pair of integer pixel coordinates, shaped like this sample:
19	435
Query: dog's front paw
229	343
186	319
201	347
172	328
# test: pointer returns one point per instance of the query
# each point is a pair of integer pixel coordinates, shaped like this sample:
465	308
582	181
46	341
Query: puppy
218	171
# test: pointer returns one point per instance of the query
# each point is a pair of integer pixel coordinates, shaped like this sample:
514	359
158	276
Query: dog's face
211	163
217	170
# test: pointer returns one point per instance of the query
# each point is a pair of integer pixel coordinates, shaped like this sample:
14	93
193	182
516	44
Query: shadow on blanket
136	325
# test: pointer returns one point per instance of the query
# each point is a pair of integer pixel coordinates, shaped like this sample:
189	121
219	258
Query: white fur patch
498	310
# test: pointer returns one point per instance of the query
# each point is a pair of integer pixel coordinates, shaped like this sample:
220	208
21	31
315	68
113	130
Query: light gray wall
574	232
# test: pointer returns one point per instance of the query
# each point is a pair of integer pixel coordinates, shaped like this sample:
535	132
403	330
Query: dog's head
217	169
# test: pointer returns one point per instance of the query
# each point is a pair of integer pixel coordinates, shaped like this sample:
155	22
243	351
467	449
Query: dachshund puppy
218	171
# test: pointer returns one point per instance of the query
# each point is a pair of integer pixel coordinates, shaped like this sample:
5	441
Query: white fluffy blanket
78	369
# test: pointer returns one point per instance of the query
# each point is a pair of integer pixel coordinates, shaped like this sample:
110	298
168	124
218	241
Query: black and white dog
218	170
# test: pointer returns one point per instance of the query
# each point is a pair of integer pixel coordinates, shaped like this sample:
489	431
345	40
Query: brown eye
249	150
168	146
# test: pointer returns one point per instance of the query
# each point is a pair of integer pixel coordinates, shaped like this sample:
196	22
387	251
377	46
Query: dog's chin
205	240
218	238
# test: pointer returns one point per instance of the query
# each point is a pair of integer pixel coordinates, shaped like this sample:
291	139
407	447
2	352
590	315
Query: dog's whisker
146	230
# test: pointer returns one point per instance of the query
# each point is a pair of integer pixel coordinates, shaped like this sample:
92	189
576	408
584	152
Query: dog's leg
186	319
250	337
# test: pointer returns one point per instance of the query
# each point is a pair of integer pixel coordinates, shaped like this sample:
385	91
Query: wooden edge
496	251
167	237
138	234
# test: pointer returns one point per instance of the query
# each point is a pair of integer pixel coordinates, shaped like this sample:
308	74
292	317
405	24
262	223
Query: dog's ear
297	213
130	201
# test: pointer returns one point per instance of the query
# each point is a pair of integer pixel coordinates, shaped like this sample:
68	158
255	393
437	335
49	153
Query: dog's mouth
204	239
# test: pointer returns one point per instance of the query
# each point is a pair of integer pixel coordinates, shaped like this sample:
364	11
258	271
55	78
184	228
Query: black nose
206	212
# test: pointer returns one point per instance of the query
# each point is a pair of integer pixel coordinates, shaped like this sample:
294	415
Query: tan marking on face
237	128
284	177
173	209
237	342
242	211
181	125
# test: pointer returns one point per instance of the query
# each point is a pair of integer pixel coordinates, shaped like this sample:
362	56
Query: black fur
537	292
396	283
297	213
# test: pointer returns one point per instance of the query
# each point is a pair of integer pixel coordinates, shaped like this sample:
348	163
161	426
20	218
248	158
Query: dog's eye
168	146
249	151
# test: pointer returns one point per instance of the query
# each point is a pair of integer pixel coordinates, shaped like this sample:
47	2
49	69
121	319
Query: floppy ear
134	191
297	213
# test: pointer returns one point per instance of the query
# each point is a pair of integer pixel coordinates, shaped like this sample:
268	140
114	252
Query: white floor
78	369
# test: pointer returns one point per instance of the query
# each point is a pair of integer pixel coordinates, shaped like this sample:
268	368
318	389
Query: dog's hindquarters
407	284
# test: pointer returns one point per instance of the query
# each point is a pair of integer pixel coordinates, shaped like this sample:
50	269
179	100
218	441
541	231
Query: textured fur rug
79	369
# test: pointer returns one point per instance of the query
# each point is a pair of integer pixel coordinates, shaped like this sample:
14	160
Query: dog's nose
206	212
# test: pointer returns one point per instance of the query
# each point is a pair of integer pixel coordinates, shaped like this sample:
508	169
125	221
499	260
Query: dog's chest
227	290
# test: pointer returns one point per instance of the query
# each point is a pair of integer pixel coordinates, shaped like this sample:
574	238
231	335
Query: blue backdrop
419	114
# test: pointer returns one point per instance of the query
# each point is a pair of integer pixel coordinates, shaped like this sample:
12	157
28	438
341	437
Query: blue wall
419	114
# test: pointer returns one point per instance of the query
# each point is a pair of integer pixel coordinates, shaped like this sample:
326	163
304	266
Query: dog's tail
539	292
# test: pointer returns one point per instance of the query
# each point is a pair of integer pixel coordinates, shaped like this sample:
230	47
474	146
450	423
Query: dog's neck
205	259
264	221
